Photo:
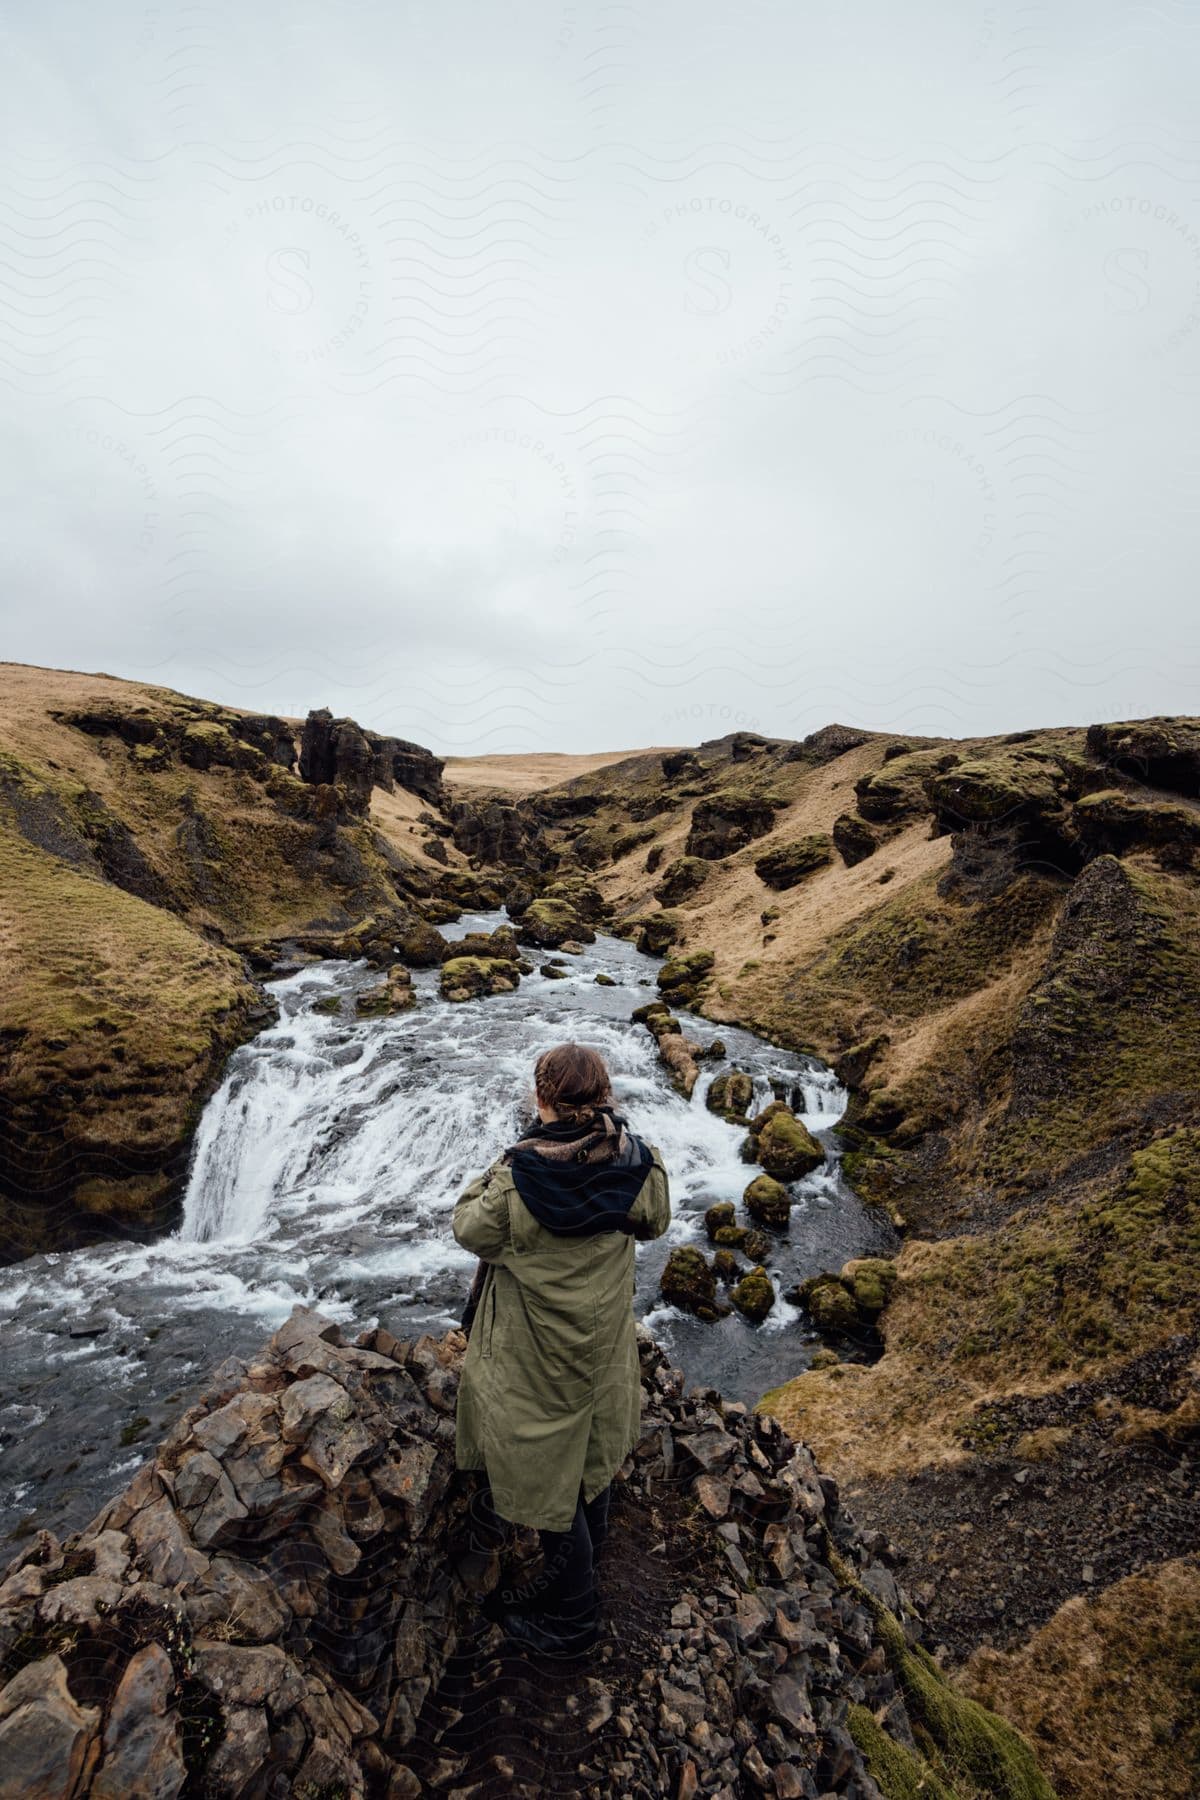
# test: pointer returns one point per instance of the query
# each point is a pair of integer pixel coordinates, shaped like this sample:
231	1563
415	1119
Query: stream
325	1171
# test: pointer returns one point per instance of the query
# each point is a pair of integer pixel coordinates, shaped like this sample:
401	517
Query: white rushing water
325	1170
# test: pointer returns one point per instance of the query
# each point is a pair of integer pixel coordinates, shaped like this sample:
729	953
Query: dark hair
573	1080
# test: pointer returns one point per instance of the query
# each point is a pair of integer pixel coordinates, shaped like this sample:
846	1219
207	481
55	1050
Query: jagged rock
769	1202
143	1747
789	864
731	1094
757	1245
1163	753
681	878
725	821
853	839
825	745
678	763
337	753
269	1671
1115	822
47	1740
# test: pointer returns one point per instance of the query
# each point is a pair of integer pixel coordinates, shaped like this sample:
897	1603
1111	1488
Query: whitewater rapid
325	1170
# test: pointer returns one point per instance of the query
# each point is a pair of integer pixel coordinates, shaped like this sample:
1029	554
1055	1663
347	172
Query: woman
550	1398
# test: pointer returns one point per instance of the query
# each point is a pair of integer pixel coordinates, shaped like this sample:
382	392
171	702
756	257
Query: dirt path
530	1725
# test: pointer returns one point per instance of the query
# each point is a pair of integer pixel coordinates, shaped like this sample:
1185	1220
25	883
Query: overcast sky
583	376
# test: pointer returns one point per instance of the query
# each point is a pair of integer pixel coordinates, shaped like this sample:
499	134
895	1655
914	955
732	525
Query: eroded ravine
325	1171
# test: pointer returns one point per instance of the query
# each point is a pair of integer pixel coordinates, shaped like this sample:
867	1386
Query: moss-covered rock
548	923
853	839
657	932
872	1281
1116	822
471	977
726	1266
731	1237
554	971
768	1202
973	1751
422	945
786	1148
681	878
754	1295
789	864
830	1304
688	1282
757	1245
852	1064
721	1213
502	943
731	1094
684	976
627	841
896	791
1162	753
392	996
603	980
641	1015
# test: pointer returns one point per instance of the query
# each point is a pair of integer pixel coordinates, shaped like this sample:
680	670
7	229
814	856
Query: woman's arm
481	1220
650	1213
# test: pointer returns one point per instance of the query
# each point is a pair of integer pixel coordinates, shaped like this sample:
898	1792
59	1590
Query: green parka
550	1396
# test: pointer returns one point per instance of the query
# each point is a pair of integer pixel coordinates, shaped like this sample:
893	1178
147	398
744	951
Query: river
325	1171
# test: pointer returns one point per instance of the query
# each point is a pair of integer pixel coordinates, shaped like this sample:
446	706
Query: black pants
563	1593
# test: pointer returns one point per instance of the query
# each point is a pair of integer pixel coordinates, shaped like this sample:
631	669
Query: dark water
325	1171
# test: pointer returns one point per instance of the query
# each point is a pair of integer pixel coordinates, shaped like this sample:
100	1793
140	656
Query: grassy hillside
153	850
996	942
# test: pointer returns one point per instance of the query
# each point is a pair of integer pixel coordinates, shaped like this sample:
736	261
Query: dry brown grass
512	776
1108	1691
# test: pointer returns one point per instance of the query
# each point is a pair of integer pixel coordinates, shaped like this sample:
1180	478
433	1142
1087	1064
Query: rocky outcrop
729	819
684	977
1162	753
340	753
685	876
827	744
789	864
285	1601
853	839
